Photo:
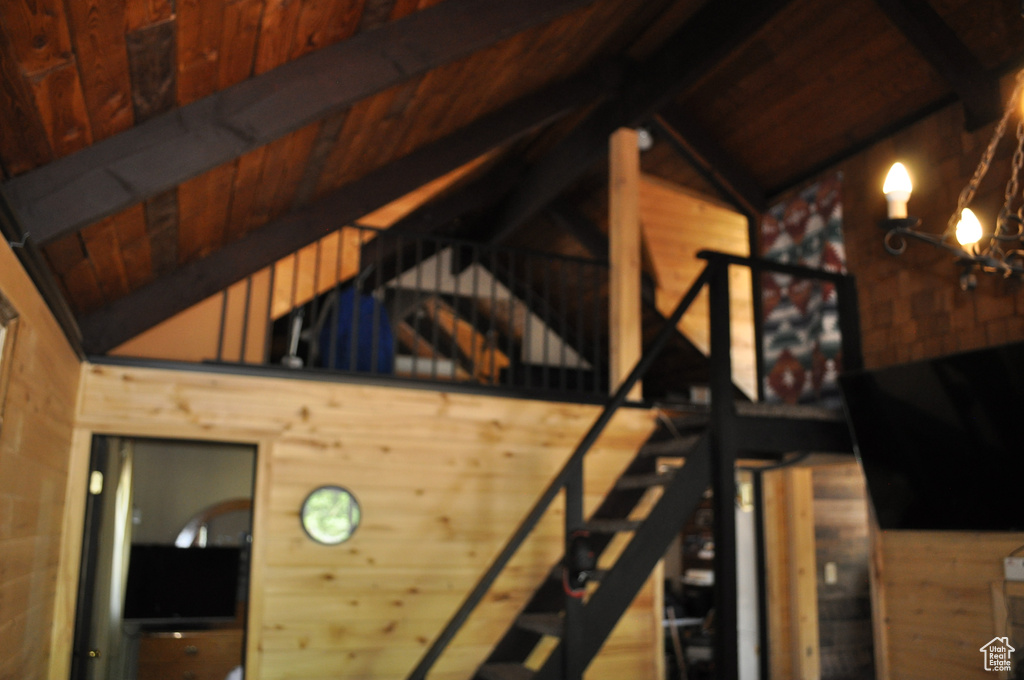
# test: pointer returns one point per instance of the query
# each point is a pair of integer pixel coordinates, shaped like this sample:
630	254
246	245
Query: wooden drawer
189	655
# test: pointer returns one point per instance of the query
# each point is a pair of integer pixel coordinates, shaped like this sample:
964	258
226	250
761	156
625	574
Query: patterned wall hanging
802	354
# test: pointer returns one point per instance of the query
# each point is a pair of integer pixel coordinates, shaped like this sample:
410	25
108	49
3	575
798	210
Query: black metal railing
570	477
429	308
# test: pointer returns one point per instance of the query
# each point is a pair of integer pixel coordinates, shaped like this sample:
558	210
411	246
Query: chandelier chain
967	194
1003	231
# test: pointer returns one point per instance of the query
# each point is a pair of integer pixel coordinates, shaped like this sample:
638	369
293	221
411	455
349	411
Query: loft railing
715	276
374	303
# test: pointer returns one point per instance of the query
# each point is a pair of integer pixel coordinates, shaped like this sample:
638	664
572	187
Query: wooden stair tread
504	671
592	575
789	411
611	526
677	446
645	481
543	623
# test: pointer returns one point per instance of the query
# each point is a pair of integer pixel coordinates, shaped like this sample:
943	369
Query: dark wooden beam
109	176
195	281
694	143
587	234
714	31
939	45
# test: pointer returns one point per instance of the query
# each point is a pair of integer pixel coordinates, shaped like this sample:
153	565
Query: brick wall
911	305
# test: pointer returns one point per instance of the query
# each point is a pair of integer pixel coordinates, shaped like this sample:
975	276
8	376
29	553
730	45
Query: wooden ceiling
154	151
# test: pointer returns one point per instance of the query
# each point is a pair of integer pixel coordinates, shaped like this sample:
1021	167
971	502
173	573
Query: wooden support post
625	342
803	574
791	575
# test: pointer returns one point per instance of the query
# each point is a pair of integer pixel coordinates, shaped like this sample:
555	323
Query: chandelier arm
896	236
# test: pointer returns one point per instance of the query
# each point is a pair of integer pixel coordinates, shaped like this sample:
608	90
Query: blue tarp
370	323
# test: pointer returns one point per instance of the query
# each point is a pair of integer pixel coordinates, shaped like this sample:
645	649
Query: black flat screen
940	440
166	583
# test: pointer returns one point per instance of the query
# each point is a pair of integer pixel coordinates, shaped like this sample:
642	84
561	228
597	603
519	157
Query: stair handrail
715	262
551	492
853	357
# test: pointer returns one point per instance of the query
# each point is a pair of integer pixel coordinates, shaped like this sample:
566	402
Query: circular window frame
311	518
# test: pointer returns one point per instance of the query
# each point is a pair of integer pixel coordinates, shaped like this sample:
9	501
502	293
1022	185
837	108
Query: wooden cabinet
189	654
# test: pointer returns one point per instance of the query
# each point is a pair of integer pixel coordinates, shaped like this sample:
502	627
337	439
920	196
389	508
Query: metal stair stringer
651	539
619	585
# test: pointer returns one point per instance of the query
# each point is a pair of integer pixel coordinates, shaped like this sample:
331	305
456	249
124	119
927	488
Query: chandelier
1000	251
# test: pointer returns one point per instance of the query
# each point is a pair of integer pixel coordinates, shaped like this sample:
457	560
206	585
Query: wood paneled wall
939	590
677	225
841	540
35	437
442	478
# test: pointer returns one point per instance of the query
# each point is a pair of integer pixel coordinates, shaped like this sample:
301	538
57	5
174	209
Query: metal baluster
333	317
419	283
564	312
581	288
598	359
546	379
375	339
269	330
475	311
453	250
436	324
223	322
293	329
398	269
353	333
492	345
314	308
510	351
245	319
528	310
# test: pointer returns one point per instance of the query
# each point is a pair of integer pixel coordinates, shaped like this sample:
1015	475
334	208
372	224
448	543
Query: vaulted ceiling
153	152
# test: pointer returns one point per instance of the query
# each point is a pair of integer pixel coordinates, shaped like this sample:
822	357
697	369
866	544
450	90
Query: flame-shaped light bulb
897	190
968	229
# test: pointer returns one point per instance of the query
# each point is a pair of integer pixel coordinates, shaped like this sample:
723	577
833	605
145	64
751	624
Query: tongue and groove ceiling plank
161	153
956	64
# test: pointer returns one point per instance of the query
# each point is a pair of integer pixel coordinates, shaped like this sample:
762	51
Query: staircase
546	616
708	444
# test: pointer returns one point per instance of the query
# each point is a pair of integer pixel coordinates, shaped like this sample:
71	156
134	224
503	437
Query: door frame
72	533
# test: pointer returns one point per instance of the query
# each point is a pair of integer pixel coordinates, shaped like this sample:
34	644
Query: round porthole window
330	515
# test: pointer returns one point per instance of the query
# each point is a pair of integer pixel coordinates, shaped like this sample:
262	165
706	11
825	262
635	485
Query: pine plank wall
443	479
35	437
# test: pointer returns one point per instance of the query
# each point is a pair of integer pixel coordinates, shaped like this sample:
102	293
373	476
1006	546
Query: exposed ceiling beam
128	168
691	140
939	45
714	31
144	308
